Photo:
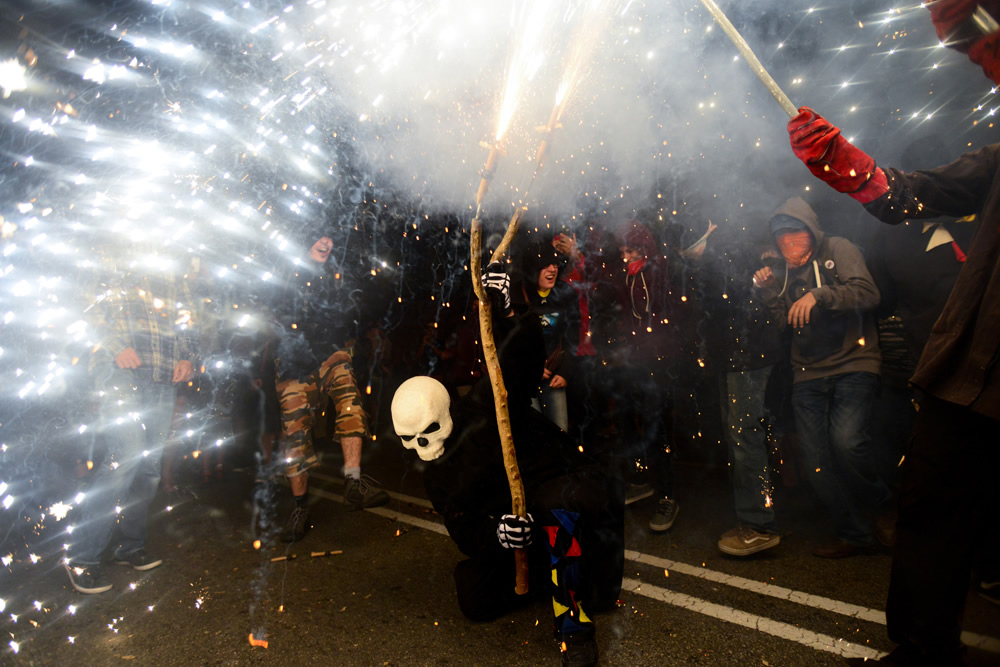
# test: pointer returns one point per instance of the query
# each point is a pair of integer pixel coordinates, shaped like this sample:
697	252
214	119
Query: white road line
813	640
982	642
762	588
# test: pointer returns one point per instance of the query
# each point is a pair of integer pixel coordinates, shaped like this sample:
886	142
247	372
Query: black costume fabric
914	282
959	362
468	487
948	499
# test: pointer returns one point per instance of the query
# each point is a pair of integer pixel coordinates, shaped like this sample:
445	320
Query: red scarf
796	247
635	267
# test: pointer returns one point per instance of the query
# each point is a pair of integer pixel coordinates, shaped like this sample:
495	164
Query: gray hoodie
841	336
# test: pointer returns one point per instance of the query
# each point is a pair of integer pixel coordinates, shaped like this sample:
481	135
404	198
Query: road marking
982	642
813	640
762	588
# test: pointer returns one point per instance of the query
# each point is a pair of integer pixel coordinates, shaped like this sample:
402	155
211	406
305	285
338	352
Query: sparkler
748	55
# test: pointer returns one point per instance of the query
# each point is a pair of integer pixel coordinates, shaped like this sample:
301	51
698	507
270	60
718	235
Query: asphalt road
388	598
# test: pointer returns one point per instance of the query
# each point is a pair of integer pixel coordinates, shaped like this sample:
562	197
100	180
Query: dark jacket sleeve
957	189
467	485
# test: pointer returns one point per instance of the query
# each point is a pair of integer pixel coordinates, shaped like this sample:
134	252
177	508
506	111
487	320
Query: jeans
644	421
135	418
744	412
831	416
552	404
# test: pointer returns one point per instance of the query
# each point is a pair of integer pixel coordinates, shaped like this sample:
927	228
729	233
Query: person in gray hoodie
827	296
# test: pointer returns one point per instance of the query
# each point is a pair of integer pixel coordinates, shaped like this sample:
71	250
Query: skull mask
420	416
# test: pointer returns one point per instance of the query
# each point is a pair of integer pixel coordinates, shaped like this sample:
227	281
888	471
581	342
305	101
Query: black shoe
579	651
841	549
298	525
364	492
137	560
666	514
87	578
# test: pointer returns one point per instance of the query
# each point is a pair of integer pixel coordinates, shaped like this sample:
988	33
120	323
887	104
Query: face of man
630	254
320	251
795	246
547	277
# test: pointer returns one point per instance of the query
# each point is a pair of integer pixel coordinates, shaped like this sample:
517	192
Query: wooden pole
518	505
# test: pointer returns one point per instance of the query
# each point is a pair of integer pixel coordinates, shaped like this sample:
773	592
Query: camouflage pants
300	398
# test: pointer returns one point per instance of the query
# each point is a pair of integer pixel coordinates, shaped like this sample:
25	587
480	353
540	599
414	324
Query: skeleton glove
514	532
496	280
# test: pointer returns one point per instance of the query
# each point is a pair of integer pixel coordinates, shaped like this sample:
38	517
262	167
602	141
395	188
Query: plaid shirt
150	314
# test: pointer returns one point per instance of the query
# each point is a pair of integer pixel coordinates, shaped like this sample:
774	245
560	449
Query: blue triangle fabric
567	519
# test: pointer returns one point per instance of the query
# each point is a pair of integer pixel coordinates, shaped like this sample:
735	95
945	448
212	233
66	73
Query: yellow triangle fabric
559	609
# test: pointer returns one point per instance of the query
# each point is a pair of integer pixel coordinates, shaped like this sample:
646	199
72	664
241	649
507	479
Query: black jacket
959	362
468	484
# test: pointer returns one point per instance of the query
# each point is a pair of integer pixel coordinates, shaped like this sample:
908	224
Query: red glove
949	15
985	52
833	159
956	27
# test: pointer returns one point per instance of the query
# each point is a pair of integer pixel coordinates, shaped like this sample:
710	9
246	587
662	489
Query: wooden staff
748	55
518	505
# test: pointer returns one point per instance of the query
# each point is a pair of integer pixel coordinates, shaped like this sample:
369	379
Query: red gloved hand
833	159
949	15
985	52
958	29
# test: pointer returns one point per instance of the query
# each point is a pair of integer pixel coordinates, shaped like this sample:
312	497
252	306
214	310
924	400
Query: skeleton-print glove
496	280
514	532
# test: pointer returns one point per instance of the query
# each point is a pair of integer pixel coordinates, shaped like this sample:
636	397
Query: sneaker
137	560
578	651
743	541
364	492
666	514
990	590
87	578
298	525
636	492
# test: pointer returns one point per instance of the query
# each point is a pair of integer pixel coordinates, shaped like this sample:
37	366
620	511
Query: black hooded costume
566	496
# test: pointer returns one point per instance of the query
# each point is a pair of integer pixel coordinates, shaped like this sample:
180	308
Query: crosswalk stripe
813	640
762	588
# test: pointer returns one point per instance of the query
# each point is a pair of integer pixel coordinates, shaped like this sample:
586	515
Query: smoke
219	139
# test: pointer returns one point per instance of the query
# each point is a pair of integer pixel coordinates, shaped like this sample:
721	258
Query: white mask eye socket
433	428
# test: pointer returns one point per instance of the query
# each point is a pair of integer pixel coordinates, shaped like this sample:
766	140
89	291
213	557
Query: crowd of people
598	337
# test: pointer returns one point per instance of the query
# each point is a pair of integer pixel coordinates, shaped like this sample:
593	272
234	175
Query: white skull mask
420	416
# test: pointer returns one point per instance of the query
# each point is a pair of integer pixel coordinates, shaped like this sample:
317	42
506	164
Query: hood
536	256
636	235
797	208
